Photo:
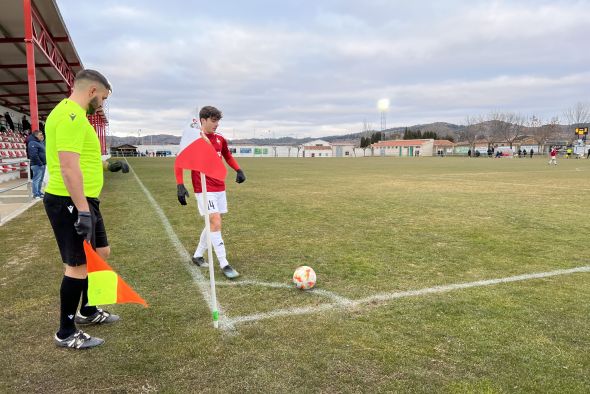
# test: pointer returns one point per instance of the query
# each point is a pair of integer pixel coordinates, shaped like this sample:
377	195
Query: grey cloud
322	67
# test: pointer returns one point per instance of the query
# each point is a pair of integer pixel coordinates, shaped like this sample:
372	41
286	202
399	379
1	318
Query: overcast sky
314	68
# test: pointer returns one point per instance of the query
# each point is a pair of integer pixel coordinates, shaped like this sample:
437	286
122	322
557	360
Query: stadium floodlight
383	106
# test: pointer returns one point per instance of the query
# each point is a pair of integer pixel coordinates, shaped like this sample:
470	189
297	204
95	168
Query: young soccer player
553	155
209	118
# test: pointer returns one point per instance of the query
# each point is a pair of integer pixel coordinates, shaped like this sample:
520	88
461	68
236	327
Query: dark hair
95	76
210	112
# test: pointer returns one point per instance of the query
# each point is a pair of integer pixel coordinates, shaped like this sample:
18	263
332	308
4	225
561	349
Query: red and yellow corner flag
104	285
198	154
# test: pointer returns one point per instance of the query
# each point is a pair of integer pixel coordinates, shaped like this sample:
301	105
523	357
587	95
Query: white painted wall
263	151
425	149
153	148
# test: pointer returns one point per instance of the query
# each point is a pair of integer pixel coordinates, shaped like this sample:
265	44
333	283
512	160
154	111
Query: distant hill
442	129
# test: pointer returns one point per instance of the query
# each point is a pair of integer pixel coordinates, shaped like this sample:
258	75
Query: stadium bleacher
13	153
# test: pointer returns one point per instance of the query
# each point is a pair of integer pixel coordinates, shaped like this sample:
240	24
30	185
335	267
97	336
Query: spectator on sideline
9	121
36	153
532	152
26	125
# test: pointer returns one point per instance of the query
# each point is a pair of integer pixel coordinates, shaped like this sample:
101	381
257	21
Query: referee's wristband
84	213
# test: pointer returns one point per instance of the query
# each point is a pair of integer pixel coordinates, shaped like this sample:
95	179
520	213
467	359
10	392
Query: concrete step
14	198
11	210
24	190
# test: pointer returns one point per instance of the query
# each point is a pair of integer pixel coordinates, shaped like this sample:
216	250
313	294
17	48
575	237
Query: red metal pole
104	138
32	78
99	130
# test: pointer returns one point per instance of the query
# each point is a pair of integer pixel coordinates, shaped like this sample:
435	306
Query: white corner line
384	297
321	292
224	322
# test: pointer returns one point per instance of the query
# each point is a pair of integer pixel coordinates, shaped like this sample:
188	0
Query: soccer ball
304	277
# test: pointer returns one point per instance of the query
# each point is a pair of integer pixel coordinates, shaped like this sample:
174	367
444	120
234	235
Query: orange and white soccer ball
304	277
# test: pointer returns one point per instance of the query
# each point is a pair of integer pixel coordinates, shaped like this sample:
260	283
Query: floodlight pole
214	309
383	106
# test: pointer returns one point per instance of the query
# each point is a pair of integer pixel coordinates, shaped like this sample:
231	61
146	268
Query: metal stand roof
38	60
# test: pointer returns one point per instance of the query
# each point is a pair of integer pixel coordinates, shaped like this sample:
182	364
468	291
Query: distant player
553	155
209	119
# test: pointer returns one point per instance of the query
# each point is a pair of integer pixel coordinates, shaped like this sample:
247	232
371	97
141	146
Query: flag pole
210	253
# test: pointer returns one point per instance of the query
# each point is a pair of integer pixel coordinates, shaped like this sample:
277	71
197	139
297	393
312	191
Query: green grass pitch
367	226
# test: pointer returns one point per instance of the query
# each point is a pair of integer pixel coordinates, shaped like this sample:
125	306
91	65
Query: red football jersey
213	185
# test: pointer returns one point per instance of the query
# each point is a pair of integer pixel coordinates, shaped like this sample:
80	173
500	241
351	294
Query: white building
150	150
344	149
403	148
264	150
317	148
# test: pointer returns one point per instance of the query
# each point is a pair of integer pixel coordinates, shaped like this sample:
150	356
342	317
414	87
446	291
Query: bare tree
578	115
507	126
367	128
486	131
543	133
471	131
534	124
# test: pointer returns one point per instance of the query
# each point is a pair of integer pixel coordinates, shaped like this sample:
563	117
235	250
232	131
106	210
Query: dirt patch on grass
22	257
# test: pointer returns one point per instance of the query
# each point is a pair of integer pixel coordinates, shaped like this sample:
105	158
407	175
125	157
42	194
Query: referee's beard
92	106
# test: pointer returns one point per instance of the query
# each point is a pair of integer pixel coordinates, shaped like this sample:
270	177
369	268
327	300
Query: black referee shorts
62	214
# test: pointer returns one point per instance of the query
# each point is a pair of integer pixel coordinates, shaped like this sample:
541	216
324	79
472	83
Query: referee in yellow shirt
71	202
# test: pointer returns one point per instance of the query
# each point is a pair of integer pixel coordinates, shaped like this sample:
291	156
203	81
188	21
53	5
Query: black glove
84	226
117	166
240	176
125	167
182	194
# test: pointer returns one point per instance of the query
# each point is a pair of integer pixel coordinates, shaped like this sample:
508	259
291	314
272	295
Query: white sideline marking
321	292
198	278
401	294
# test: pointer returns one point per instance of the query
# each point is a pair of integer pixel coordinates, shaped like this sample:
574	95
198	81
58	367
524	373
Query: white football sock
219	248
202	246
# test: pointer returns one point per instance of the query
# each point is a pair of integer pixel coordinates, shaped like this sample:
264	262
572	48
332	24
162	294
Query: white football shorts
217	202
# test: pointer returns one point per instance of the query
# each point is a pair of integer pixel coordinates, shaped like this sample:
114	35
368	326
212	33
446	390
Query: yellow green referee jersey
68	130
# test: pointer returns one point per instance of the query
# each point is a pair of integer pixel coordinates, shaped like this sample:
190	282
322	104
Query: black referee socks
69	292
